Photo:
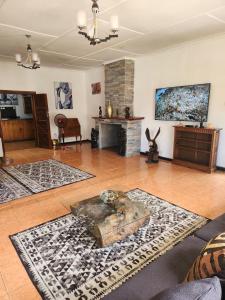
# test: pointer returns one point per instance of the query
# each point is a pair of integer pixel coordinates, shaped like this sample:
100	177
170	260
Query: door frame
33	94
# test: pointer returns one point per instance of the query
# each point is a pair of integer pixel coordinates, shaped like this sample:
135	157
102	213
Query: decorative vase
109	110
55	143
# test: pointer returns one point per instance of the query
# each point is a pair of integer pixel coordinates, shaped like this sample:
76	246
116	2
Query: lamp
32	61
92	35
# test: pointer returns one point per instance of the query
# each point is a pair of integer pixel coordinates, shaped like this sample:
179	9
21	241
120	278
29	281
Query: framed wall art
63	95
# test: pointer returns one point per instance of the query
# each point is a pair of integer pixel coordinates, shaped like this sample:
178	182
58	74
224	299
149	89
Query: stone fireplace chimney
122	133
119	86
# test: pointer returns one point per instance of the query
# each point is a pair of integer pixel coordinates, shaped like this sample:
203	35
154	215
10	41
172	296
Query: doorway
24	120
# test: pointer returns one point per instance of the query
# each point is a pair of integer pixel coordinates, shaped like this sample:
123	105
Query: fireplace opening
113	137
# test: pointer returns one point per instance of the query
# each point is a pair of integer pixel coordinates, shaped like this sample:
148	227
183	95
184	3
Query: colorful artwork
9	99
184	103
96	88
63	95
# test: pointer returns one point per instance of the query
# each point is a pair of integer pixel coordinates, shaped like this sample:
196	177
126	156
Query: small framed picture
96	88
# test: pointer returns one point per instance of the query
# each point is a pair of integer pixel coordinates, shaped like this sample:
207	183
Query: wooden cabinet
17	130
196	147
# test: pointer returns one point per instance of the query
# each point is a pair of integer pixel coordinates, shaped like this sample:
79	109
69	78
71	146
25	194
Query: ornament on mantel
109	110
127	112
100	112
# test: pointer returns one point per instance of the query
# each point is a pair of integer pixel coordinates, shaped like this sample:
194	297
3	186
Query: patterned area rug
27	179
10	189
64	262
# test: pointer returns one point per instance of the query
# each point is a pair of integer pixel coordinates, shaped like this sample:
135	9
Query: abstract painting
182	103
63	95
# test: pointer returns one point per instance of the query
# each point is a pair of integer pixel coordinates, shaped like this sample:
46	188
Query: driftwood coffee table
113	219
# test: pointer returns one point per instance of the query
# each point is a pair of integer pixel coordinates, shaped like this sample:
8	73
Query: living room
156	198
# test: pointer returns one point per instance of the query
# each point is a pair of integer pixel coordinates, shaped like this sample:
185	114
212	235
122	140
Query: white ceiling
145	26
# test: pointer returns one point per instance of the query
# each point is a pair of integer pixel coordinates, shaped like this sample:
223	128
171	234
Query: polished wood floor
194	190
20	145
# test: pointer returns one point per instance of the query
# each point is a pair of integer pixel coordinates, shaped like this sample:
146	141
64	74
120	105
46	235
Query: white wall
94	101
45	84
42	80
191	63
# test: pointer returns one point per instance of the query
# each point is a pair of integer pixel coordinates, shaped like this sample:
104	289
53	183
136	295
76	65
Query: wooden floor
194	190
12	146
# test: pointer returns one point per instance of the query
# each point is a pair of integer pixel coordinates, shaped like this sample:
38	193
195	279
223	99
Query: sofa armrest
211	229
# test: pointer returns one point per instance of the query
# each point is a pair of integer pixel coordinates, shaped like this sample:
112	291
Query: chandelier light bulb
34	57
91	31
114	21
81	19
18	58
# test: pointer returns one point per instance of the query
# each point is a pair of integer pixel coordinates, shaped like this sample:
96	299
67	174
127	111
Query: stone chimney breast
119	86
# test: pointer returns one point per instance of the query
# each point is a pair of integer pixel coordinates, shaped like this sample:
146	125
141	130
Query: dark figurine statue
94	138
100	112
122	137
127	112
153	154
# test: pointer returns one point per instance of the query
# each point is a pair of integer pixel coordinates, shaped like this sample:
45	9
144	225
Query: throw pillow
211	261
205	289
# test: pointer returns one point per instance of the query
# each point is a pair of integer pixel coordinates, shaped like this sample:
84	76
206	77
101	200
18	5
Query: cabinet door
7	131
17	130
28	129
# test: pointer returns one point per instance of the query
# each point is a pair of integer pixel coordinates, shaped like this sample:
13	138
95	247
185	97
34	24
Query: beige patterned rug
32	178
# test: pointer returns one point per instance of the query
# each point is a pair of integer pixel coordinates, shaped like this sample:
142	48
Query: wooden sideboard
17	130
196	147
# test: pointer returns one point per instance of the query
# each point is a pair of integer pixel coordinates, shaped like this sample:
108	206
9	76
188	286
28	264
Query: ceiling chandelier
32	61
92	34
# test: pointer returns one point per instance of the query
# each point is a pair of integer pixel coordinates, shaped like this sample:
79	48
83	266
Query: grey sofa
170	269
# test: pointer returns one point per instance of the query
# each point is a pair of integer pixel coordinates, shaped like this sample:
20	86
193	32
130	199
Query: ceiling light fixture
92	35
32	61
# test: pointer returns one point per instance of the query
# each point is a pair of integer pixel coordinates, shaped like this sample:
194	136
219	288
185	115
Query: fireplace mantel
119	119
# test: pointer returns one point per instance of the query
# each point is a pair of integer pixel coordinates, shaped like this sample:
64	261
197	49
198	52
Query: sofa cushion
205	289
165	272
211	260
210	230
